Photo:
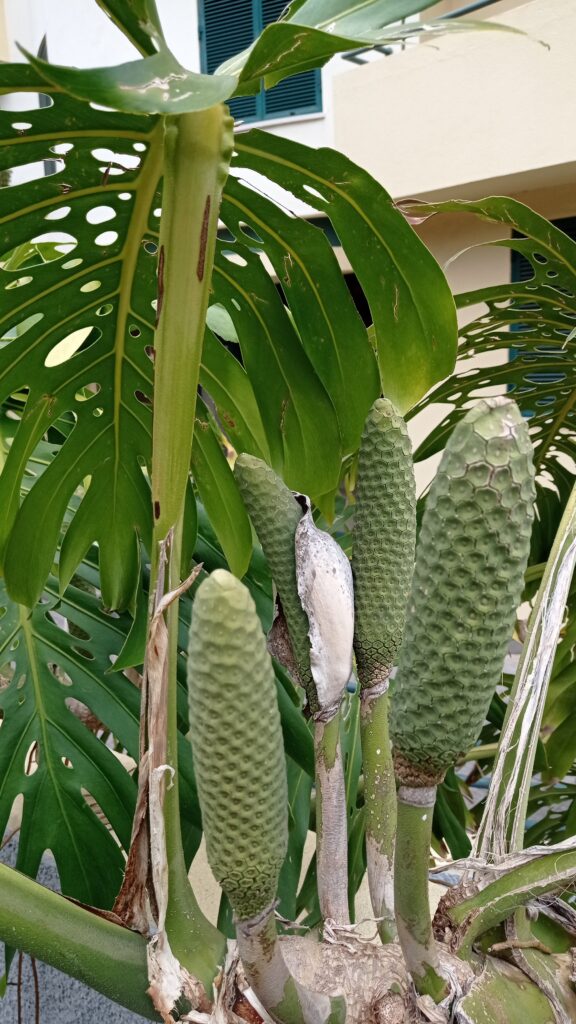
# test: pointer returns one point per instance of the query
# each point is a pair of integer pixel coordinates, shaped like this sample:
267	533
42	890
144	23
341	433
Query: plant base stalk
414	833
380	804
331	822
285	999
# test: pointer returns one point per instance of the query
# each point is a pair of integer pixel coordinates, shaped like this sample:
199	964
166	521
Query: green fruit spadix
275	514
472	553
237	744
384	541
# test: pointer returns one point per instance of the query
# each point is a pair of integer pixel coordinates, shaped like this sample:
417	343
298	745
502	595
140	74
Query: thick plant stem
530	878
331	822
103	955
285	1000
414	833
380	803
197	152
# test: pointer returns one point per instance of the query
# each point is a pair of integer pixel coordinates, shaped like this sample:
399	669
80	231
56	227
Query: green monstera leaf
76	323
78	257
54	673
532	324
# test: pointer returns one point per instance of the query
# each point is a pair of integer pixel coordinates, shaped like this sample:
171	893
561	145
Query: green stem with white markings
413	837
331	822
381	811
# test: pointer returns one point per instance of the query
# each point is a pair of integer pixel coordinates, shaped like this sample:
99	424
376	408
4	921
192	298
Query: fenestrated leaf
151	85
228	384
329	326
103	204
138	20
49	755
410	301
298	415
531	321
220	495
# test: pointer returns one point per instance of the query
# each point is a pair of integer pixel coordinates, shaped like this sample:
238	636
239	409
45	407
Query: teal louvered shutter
226	28
522	271
229	26
299	94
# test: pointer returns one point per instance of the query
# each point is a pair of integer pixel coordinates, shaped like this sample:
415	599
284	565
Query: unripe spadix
472	553
384	541
237	744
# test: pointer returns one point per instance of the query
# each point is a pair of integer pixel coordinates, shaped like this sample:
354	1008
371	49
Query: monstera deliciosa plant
160	315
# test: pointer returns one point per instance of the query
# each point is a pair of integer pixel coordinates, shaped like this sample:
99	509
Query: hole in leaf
105	309
58	214
78	632
86	393
43	248
19	282
314	192
150	248
21	126
20	101
66	762
233	257
91	286
158	211
122	161
70	264
71	345
7	673
61	148
57	619
134	331
106	238
60	674
539	257
142	398
100	214
84	653
98	411
150	352
124	195
31	759
140	147
15	645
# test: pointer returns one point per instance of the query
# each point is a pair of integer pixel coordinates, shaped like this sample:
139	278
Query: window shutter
299	94
226	28
522	271
229	26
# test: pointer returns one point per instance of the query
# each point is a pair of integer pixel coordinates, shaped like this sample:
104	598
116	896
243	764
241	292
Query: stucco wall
466	112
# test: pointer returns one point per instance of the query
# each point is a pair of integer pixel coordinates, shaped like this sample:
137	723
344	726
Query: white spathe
324	580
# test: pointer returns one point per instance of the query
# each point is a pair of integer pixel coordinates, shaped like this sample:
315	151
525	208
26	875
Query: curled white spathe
325	589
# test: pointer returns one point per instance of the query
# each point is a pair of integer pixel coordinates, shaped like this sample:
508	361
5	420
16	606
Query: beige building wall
4	47
467	115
